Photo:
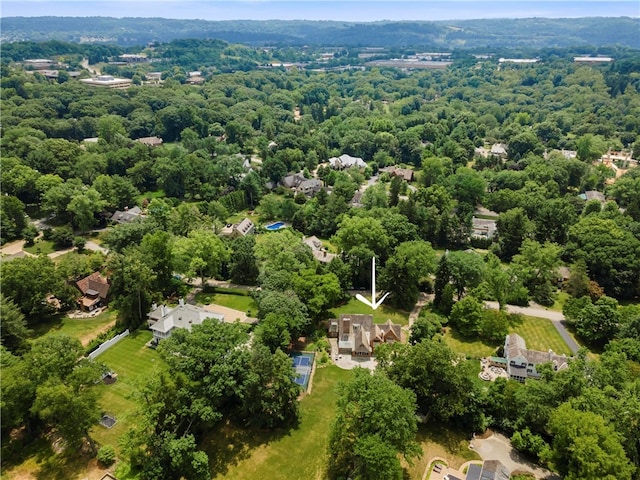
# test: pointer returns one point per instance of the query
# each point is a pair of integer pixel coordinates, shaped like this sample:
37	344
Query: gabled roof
127	215
94	284
245	226
346	161
150	141
182	316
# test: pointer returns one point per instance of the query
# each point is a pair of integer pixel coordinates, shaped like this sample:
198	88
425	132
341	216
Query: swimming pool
275	226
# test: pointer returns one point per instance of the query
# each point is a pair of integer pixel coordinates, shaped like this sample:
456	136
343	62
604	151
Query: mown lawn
538	333
84	329
244	303
41	247
299	453
133	362
380	315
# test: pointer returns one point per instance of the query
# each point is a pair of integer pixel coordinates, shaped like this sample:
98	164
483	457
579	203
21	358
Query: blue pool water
274	226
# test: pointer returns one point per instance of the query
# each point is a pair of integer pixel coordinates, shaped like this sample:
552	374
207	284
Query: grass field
538	333
150	196
44	247
380	315
84	329
296	454
133	362
244	303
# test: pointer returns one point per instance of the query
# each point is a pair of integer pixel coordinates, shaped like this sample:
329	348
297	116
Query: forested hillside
471	34
374	163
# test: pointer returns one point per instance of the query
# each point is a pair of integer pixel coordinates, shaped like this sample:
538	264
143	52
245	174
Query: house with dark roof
127	215
522	363
310	187
293	181
359	336
163	320
592	195
489	470
95	291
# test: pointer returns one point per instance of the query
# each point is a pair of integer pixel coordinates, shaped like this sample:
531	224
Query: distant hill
466	34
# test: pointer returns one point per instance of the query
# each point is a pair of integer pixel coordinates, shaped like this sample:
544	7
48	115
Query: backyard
380	315
538	333
238	301
84	329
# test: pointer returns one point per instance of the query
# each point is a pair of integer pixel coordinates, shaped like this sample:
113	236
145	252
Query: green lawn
244	303
44	247
84	329
133	362
296	454
538	333
150	196
560	301
380	315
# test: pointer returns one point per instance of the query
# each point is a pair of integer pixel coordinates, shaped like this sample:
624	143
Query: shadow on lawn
230	444
50	466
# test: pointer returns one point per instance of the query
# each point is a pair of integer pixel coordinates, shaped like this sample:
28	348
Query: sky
346	10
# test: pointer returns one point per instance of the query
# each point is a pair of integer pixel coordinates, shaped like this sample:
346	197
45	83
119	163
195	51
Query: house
522	362
489	470
128	215
359	336
95	290
405	173
241	229
356	201
483	228
150	141
107	81
310	187
346	161
319	252
592	60
592	195
293	181
163	320
133	58
498	150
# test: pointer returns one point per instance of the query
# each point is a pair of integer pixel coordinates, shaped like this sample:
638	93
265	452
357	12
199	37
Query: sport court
302	364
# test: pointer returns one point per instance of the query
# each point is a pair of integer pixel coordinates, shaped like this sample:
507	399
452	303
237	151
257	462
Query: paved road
95	247
557	318
498	447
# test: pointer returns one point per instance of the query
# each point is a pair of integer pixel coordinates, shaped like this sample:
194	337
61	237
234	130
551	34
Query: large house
346	161
319	252
95	290
522	362
301	184
404	173
163	320
241	229
127	215
359	336
483	228
107	81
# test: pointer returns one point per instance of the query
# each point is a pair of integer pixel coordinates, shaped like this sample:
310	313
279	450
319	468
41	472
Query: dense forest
470	34
227	145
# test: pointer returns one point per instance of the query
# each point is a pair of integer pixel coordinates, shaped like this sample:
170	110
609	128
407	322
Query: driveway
498	447
557	318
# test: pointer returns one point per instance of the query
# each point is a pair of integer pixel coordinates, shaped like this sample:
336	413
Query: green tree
131	286
513	227
536	266
361	426
13	326
410	263
243	266
317	291
425	327
585	447
466	316
12	218
84	206
157	251
466	270
202	254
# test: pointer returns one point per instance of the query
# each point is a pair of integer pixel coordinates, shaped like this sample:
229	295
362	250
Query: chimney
154	305
181	302
164	310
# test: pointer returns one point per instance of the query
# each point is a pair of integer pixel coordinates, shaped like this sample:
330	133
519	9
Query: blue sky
351	10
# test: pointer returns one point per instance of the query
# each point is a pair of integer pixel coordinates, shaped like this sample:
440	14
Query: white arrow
373	304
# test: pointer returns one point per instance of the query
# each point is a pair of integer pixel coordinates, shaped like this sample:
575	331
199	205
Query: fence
108	344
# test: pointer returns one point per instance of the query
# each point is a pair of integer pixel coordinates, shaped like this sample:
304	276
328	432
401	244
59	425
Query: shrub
106	455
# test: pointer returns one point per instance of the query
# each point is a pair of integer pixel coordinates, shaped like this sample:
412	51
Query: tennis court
302	364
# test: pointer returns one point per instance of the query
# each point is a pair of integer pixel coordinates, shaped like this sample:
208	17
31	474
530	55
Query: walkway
423	300
557	318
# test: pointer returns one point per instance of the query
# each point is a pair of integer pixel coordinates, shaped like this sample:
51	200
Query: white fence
108	344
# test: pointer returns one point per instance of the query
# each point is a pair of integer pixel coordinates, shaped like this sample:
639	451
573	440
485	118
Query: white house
163	320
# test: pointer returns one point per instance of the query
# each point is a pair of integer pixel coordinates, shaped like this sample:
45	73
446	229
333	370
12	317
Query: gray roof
127	215
182	316
519	356
346	161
